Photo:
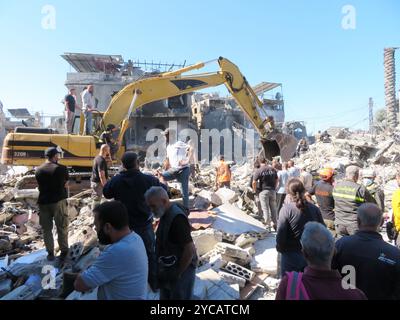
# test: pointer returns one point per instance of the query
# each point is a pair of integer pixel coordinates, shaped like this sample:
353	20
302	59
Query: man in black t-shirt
70	107
265	182
99	174
52	179
174	247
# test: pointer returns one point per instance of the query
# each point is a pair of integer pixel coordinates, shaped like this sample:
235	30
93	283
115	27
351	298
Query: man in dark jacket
129	187
349	196
175	249
376	263
52	178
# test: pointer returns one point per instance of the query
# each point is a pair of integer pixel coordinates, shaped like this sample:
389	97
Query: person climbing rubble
176	165
369	181
223	174
302	147
99	174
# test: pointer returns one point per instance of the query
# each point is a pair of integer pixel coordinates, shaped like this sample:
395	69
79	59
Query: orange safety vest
223	172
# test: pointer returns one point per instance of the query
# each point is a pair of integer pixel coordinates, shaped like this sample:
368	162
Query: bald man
376	263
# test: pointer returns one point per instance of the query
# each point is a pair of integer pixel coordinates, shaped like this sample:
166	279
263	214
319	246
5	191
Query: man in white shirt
88	106
306	178
177	165
294	172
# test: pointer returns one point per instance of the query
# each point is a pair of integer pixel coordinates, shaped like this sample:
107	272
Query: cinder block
232	279
245	239
240	271
228	237
232	250
205	240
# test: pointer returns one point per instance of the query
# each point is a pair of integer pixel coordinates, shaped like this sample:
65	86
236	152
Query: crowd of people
328	232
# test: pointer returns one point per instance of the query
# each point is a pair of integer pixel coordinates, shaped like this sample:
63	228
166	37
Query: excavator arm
170	84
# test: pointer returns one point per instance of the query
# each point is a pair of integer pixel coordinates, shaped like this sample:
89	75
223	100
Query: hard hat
326	173
368	173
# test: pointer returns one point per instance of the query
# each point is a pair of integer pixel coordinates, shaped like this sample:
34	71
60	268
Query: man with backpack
319	281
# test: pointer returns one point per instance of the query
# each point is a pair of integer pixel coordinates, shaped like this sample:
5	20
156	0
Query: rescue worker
322	191
223	174
349	196
107	138
368	180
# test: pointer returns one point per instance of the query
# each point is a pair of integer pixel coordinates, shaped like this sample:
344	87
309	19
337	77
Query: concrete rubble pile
237	258
381	153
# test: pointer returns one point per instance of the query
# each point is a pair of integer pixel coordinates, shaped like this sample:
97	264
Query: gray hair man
376	263
176	253
319	281
348	196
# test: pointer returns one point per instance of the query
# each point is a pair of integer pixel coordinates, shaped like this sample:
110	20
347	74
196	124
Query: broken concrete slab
205	240
227	249
266	256
217	289
226	195
245	239
231	219
5	287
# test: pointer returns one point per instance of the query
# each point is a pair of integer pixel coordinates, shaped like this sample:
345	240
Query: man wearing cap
368	180
349	196
177	165
129	187
52	178
322	191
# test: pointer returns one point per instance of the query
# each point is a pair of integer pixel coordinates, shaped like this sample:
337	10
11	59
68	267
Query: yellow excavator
26	146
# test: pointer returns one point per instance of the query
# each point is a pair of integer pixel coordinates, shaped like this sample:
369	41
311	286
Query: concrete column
390	88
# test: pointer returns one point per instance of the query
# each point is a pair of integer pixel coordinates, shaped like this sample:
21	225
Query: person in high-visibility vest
349	196
396	210
223	177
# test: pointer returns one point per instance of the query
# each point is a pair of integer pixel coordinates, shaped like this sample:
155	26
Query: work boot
61	259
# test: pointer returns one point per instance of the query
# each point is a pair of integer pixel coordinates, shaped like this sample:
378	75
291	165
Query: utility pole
371	116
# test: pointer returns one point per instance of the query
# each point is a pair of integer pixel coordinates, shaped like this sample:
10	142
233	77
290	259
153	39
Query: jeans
183	178
183	289
59	213
87	128
147	234
268	206
292	261
345	230
280	199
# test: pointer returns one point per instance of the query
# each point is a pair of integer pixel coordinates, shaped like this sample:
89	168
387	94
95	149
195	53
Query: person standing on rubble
129	187
349	195
322	191
283	177
106	137
265	182
223	174
369	181
294	215
294	172
176	252
176	165
120	272
99	174
88	106
52	179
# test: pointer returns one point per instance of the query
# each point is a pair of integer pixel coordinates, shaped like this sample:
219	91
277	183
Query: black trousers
280	199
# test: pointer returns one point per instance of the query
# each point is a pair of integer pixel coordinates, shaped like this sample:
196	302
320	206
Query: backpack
295	289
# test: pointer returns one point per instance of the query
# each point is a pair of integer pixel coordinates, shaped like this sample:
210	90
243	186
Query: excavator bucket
279	144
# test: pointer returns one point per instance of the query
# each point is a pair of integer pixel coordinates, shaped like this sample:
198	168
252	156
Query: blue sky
328	73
